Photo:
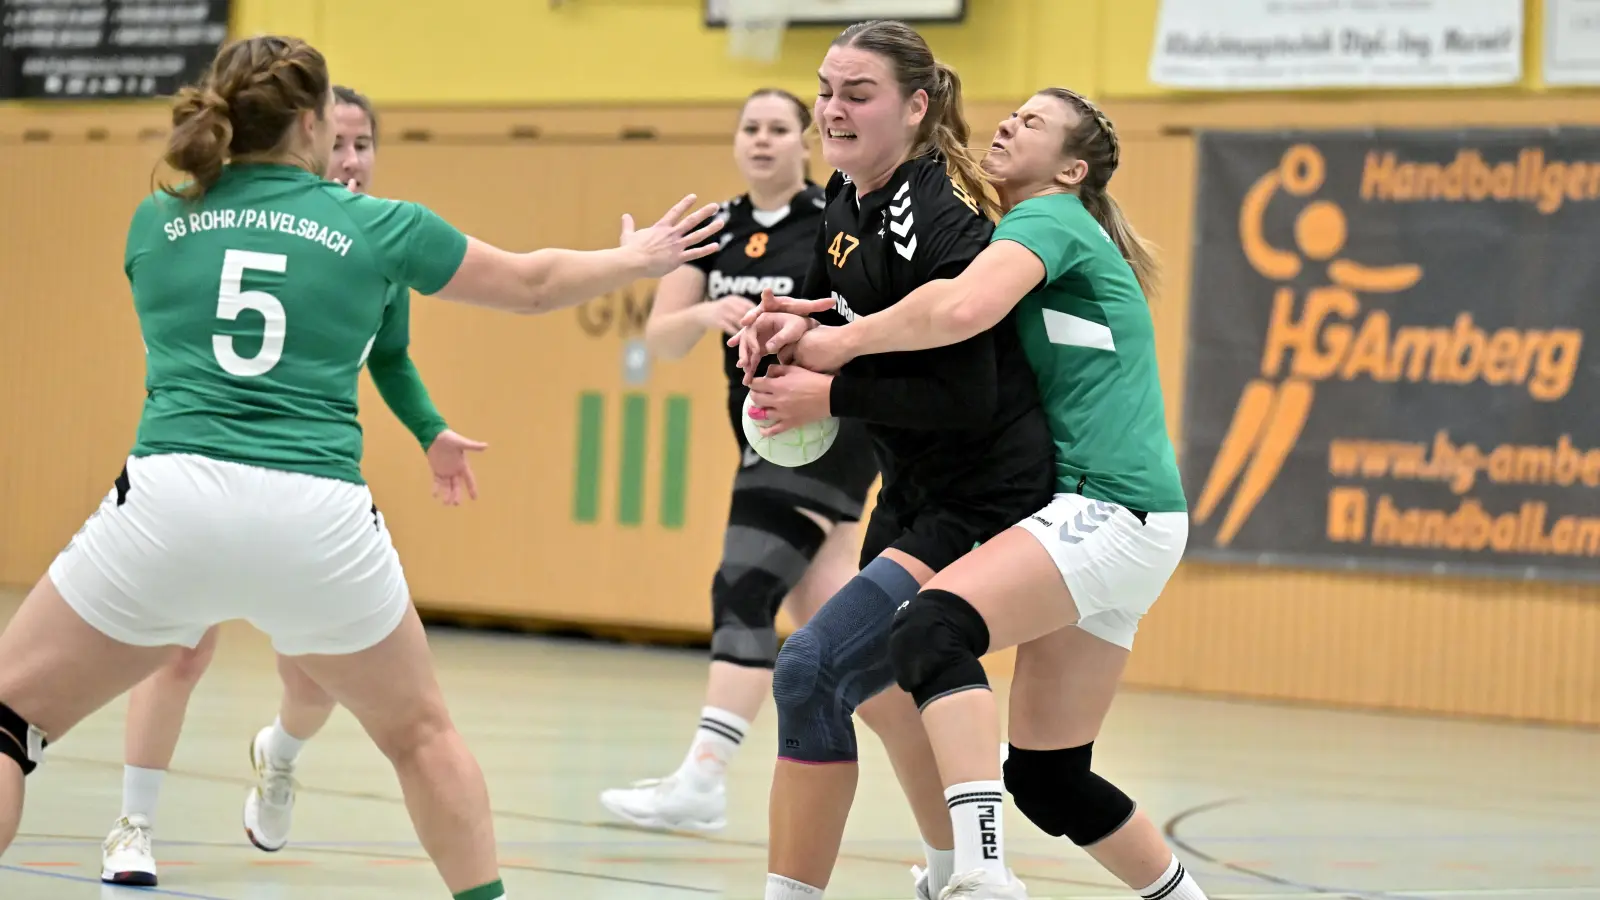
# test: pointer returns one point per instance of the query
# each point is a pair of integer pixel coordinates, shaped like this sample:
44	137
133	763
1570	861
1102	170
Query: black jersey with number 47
946	419
760	249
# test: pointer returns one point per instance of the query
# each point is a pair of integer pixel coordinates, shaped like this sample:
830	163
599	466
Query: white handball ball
793	448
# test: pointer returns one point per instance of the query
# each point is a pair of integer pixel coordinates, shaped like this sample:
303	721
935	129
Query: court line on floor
1170	829
120	888
569	823
336	850
1249	875
34	840
530	867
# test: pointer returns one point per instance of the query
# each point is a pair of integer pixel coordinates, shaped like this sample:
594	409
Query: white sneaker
920	876
269	810
980	885
126	857
669	803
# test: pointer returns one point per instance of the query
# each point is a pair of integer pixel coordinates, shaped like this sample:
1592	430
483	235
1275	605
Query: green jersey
260	304
396	376
1087	332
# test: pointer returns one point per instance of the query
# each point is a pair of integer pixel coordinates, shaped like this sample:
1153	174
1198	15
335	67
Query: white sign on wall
1572	42
1288	44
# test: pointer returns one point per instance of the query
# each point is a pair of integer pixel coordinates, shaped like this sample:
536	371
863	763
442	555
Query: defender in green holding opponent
1068	585
261	290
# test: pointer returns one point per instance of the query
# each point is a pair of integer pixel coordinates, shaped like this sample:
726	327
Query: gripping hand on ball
789	397
758	339
772	325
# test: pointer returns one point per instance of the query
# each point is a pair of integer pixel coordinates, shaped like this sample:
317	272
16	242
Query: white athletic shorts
184	542
1114	565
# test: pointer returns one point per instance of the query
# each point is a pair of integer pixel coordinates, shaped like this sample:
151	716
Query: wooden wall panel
70	353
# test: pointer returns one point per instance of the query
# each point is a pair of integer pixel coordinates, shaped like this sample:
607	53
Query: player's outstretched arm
948	310
551	279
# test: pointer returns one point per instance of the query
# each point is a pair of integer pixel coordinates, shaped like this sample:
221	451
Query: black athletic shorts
944	529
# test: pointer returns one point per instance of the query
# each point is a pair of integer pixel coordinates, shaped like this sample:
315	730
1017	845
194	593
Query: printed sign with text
1387	351
1288	44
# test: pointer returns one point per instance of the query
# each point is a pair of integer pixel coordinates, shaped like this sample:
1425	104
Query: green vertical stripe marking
674	461
630	487
586	478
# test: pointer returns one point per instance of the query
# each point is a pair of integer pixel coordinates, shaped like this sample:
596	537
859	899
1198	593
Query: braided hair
1094	140
245	104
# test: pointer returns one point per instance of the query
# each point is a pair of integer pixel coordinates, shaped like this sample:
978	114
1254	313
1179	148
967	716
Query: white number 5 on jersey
232	299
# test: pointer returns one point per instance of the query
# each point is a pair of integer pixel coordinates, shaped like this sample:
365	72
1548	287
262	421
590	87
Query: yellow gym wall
647	51
641	51
535	172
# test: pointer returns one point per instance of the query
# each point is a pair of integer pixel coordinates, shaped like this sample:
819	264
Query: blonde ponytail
1139	252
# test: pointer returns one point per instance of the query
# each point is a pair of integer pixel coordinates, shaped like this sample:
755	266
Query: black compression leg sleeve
766	551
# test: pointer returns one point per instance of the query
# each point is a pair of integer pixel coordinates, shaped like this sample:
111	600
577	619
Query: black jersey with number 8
760	249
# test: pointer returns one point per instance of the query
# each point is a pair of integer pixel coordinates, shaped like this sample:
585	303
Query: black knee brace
935	644
837	662
1058	793
767	548
20	741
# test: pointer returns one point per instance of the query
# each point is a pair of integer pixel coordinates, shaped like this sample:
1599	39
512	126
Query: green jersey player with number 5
261	289
158	705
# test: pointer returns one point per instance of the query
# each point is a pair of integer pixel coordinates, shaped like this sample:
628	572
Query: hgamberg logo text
1342	329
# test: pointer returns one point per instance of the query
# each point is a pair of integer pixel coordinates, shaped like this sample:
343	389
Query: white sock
141	791
715	742
781	888
283	747
941	865
1174	884
975	808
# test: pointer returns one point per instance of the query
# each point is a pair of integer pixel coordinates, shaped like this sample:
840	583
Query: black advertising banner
1387	360
86	50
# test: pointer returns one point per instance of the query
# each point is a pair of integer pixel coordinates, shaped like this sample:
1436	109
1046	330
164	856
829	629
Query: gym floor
1262	801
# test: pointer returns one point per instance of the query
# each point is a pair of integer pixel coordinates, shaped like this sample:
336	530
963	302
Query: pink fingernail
758	413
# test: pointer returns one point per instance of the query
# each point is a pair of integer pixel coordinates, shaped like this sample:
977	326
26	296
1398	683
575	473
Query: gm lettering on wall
626	428
621	313
1386	352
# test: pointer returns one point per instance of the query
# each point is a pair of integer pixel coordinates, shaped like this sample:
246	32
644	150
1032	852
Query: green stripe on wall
586	482
630	486
675	461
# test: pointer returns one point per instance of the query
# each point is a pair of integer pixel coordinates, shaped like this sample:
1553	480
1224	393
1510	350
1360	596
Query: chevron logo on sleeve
901	219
